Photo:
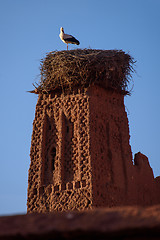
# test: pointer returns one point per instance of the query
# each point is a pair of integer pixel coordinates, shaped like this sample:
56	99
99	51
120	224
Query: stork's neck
61	35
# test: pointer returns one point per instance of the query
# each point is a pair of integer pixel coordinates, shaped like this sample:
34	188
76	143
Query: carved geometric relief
49	150
66	158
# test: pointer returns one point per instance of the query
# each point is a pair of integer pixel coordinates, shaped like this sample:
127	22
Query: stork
67	38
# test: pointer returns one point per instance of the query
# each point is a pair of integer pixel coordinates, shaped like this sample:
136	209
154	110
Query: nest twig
65	70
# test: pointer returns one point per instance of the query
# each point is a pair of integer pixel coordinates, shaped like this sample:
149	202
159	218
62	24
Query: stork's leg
67	46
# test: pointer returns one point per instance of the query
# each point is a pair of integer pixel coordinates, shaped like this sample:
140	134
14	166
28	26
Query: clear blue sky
28	30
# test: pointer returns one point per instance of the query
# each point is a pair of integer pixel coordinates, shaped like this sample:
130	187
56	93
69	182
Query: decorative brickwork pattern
60	172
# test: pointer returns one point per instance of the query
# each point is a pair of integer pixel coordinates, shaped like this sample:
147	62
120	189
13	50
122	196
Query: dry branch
65	70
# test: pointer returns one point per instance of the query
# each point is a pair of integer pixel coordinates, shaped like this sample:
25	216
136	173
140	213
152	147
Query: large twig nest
67	70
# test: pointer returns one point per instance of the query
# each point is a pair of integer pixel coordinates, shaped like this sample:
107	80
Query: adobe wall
124	223
60	173
145	189
116	178
81	157
111	155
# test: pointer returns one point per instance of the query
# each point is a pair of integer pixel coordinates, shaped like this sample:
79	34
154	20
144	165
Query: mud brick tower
80	152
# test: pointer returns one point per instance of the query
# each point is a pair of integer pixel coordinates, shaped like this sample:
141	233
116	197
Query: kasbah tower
80	152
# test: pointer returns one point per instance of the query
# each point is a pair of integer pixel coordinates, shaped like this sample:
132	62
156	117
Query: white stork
67	38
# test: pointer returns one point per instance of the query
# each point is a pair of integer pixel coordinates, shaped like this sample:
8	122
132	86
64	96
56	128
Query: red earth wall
81	157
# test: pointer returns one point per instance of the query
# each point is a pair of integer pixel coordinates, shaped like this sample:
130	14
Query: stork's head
61	29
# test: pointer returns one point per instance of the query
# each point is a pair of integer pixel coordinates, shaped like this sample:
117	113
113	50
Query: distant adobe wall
80	152
145	188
